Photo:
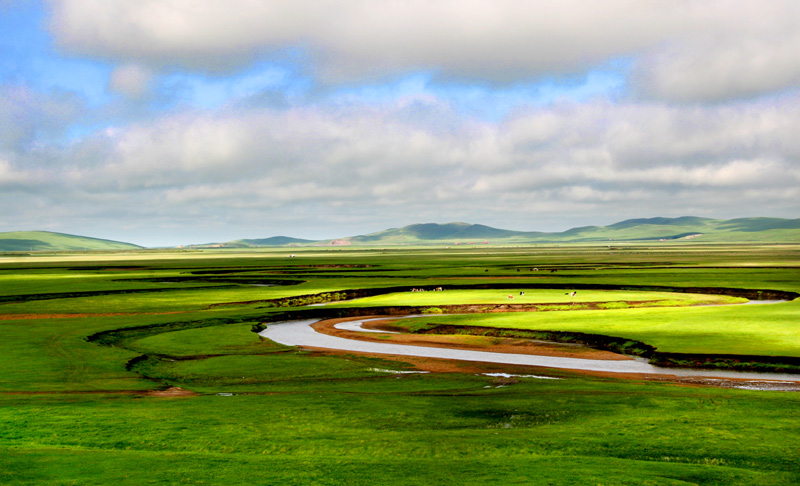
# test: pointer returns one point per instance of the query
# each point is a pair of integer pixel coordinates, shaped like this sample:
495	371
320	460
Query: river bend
300	333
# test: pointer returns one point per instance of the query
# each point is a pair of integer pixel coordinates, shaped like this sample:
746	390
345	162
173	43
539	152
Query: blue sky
174	121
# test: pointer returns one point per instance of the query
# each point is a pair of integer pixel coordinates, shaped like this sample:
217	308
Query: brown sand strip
476	343
15	317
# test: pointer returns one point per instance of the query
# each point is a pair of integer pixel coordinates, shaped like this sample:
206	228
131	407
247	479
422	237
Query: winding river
300	333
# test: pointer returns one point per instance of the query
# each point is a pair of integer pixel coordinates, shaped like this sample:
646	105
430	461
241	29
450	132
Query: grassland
536	296
143	369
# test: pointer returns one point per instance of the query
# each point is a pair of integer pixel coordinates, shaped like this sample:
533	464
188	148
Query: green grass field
540	296
762	330
86	339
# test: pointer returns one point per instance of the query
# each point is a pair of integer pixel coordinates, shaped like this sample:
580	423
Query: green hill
767	230
431	232
763	230
48	241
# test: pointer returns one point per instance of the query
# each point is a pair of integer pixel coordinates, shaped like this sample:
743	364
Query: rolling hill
689	227
767	230
432	232
48	241
701	230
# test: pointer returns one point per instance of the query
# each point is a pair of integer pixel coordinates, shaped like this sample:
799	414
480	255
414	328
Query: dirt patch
475	343
73	392
171	392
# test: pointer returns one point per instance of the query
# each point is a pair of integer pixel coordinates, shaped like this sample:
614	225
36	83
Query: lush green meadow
539	296
759	330
89	344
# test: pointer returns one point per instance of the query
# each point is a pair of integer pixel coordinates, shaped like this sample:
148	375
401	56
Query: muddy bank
596	341
497	344
771	364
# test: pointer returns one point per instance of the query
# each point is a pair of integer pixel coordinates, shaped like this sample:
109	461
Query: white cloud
325	165
131	80
746	53
8	175
200	34
682	50
27	115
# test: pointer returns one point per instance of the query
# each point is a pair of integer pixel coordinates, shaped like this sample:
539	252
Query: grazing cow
510	297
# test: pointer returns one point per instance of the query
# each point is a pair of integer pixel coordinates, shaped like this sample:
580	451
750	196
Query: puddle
765	302
397	372
509	375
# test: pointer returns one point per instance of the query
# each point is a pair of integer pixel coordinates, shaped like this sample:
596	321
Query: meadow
144	368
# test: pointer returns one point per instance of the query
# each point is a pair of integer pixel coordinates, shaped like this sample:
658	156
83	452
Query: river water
300	333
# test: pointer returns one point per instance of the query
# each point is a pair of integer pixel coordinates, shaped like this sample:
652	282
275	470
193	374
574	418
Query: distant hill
688	227
48	241
767	230
431	232
706	230
272	241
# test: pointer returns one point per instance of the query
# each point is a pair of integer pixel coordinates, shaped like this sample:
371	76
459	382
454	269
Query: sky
169	122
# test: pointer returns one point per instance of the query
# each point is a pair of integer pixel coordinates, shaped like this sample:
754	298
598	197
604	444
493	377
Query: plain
143	368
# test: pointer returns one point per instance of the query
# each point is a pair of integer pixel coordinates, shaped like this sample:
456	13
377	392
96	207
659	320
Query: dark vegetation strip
772	364
249	280
227	271
107	268
74	295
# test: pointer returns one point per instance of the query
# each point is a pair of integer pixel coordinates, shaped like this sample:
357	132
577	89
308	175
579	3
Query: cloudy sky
165	122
